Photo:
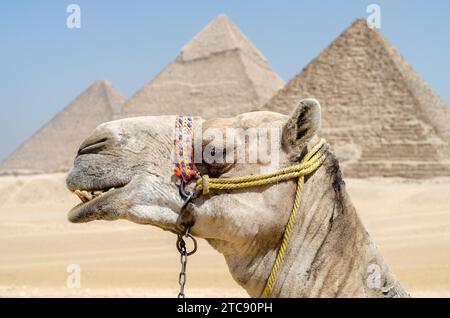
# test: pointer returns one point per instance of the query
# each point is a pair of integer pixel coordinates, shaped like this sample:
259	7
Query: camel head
124	170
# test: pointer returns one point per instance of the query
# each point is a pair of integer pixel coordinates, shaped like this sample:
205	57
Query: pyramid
53	147
218	73
380	116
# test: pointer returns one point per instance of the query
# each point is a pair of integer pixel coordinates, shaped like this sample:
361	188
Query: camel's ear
302	126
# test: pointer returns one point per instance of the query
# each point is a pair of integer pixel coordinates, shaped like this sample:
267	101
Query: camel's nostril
92	146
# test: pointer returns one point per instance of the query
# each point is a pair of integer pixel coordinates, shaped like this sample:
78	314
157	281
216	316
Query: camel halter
310	162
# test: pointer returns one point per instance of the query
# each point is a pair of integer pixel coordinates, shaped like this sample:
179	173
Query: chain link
183	260
181	243
181	247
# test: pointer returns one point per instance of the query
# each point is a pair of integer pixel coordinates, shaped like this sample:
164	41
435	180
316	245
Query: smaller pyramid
218	73
53	147
380	116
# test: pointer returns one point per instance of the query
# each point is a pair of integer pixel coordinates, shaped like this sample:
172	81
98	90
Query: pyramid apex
380	116
102	86
222	16
219	35
101	83
361	25
104	90
95	105
360	22
219	67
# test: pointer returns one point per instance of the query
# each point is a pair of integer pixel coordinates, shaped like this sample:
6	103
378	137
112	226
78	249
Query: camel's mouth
86	196
92	203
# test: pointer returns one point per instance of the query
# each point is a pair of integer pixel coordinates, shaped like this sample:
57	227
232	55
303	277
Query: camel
124	170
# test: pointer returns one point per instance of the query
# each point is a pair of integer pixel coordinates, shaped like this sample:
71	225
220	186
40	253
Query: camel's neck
330	253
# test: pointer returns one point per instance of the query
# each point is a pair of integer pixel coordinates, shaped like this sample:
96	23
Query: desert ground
409	221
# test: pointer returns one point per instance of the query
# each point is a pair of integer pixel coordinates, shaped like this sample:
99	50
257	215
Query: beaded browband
184	149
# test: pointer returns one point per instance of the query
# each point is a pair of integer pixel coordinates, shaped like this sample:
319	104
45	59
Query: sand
409	221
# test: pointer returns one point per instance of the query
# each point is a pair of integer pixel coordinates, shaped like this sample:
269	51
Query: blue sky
44	65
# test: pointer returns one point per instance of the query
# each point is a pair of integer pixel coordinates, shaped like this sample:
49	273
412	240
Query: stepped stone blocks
218	73
54	146
380	116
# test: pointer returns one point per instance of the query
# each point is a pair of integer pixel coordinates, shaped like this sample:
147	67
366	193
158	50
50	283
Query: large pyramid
380	116
218	73
53	147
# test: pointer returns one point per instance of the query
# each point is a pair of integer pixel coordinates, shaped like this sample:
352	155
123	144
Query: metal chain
181	243
181	247
183	260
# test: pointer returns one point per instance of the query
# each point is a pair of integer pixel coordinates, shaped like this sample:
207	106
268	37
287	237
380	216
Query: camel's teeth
96	194
87	195
80	195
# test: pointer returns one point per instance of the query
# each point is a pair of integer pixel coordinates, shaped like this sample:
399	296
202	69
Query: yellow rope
309	164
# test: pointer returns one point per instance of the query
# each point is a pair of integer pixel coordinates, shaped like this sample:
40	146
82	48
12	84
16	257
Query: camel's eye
213	152
216	161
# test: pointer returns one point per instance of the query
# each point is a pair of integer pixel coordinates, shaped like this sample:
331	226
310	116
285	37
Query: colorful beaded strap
184	149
